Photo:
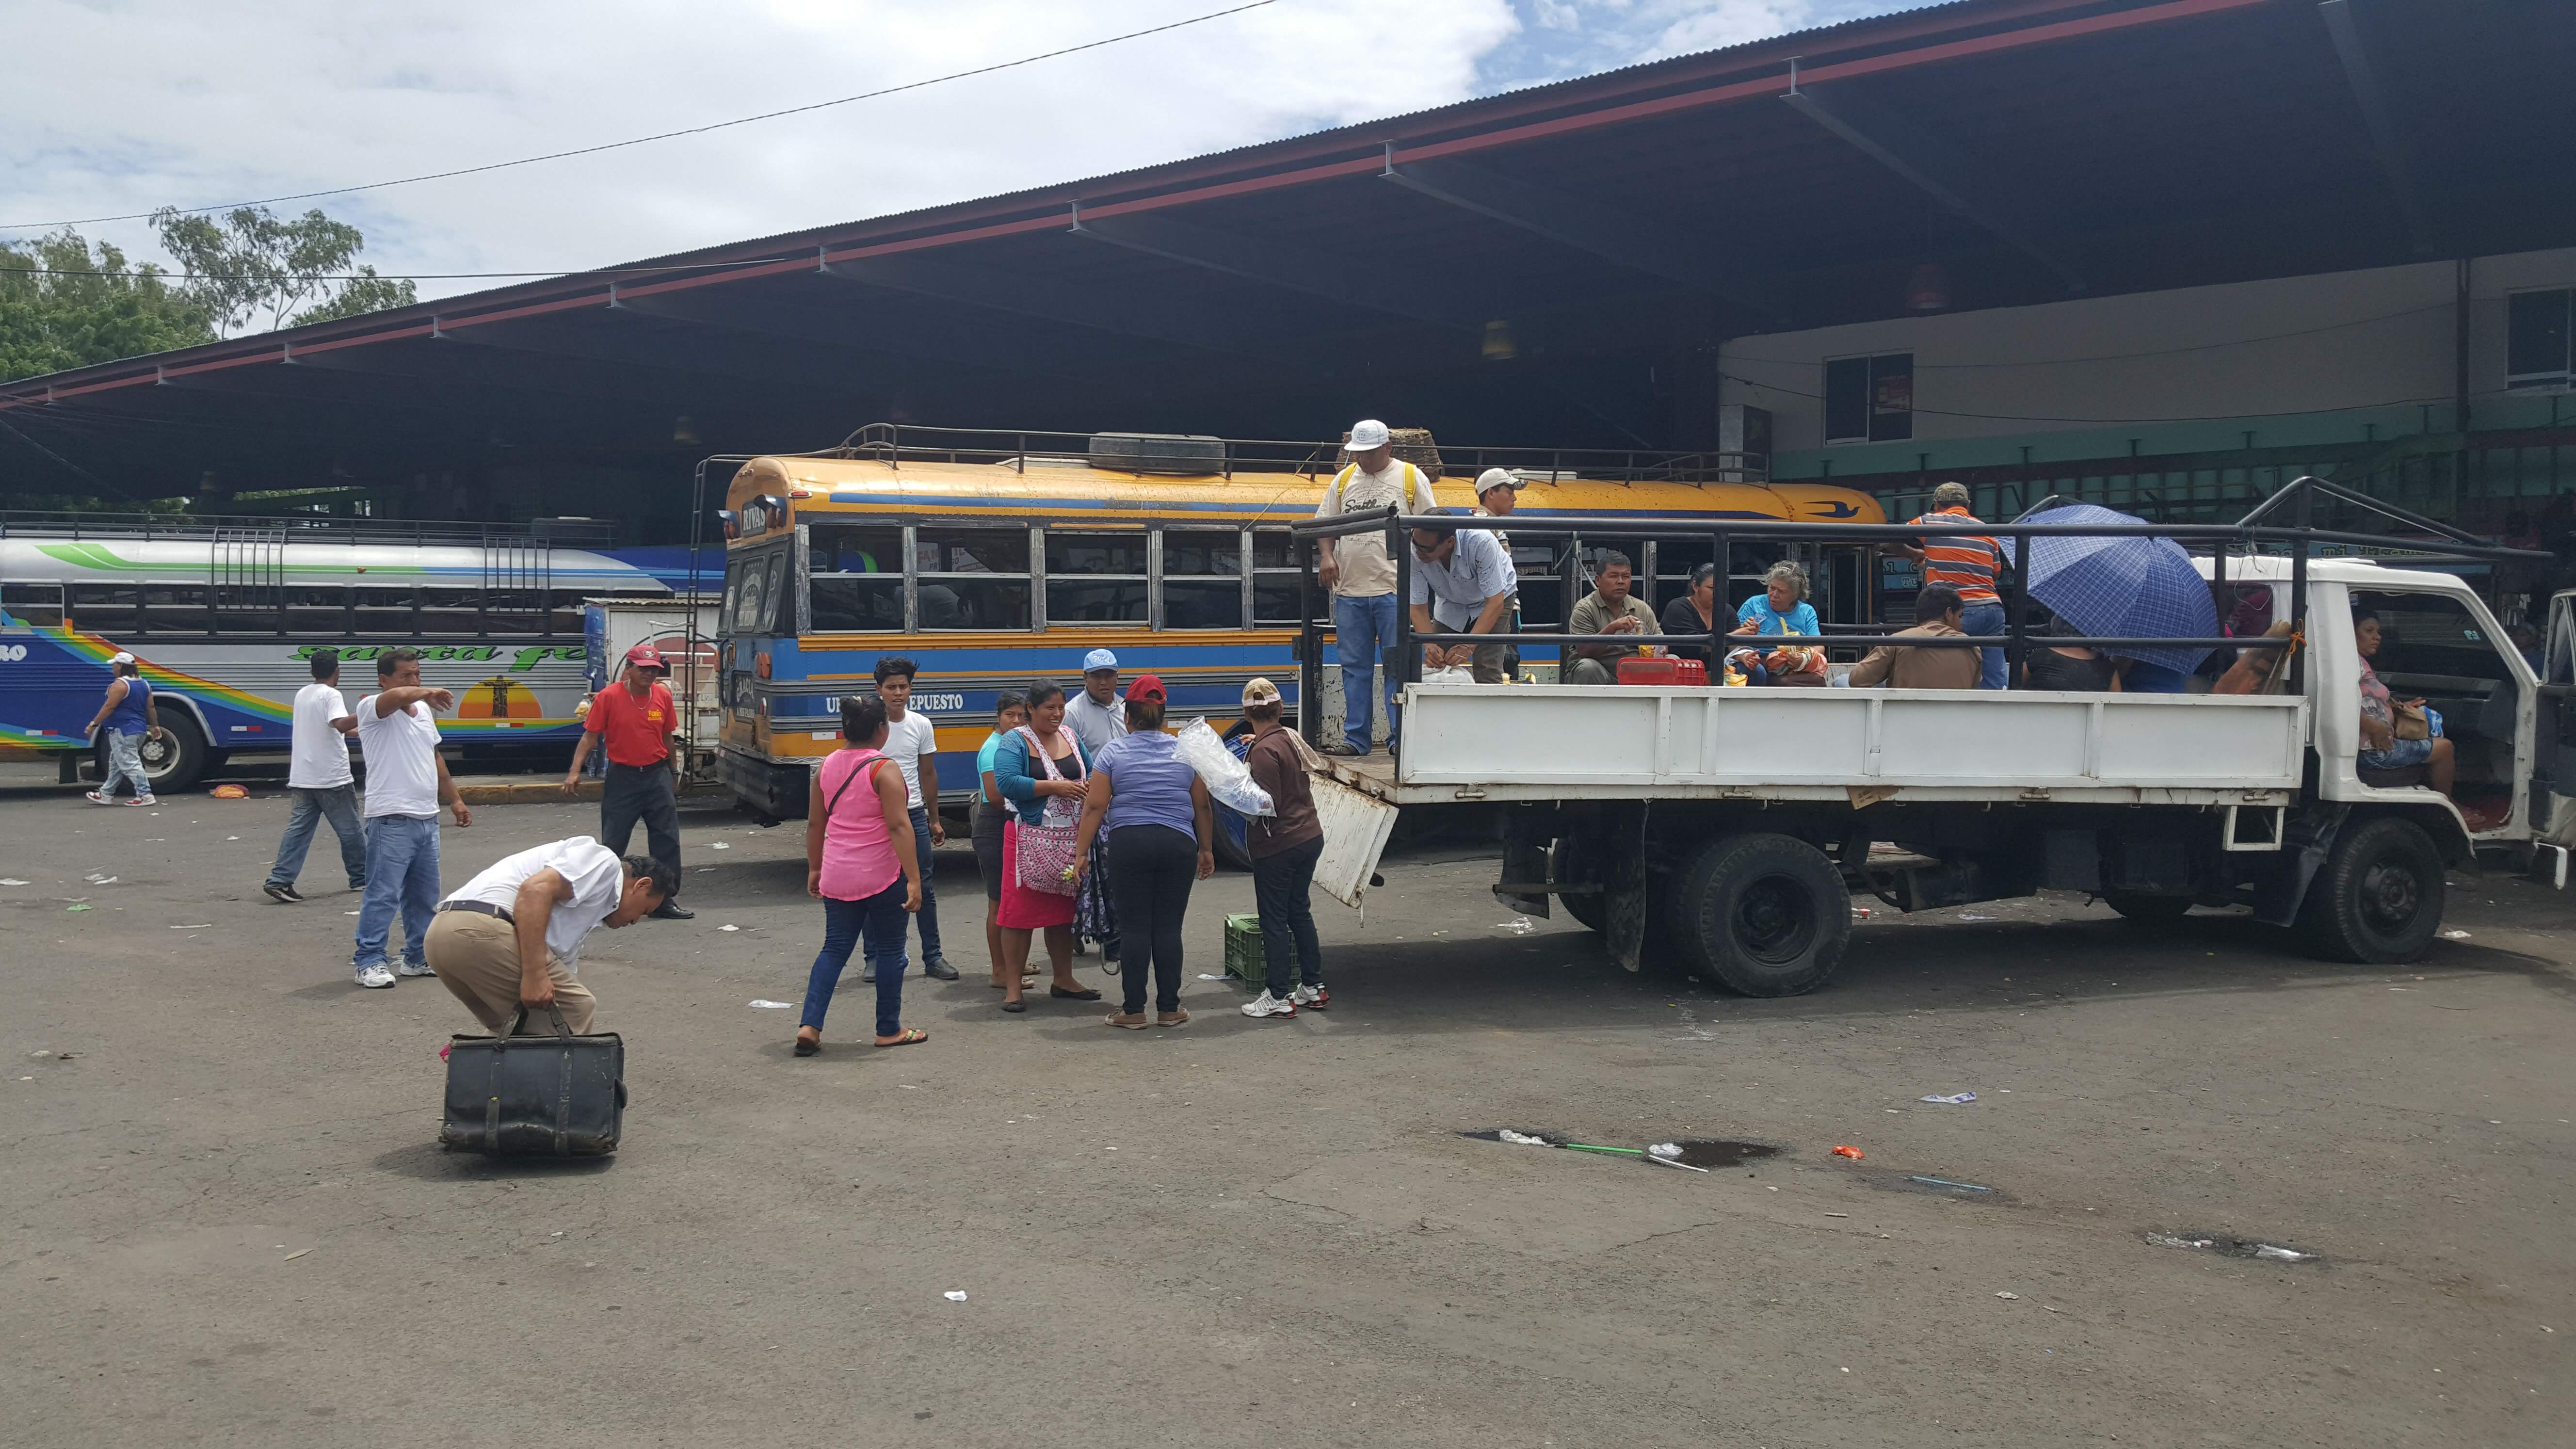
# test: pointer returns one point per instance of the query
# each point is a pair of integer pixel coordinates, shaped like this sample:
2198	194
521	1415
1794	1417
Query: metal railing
895	443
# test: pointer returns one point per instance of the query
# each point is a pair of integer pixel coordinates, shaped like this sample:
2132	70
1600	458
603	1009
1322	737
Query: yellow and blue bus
996	564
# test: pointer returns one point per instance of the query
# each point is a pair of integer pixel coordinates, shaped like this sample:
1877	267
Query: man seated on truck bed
1905	667
1608	609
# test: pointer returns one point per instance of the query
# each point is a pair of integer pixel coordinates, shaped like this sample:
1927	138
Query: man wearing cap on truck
1362	577
633	720
1463	584
1498	492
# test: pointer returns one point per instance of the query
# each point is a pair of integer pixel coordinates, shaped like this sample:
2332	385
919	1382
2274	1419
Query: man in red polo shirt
634	718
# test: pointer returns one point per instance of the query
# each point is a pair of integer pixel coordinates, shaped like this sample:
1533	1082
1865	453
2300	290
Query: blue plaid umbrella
2133	587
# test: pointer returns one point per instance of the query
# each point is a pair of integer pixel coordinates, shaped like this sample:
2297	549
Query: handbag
2411	723
1045	847
535	1096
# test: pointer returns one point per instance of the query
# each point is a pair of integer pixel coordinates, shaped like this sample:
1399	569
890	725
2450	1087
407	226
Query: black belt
479	908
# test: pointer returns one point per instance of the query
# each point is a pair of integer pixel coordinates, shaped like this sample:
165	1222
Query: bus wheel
1769	913
2378	899
180	757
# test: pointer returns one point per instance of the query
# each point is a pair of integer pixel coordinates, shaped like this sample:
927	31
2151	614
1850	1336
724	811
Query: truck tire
2148	910
1565	867
182	759
2378	899
1768	914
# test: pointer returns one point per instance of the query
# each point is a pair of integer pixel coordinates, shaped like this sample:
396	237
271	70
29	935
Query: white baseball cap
122	658
1099	659
1493	478
1367	433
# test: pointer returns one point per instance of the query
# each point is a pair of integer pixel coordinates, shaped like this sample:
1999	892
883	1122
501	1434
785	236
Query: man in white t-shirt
318	778
913	745
1362	577
406	783
512	937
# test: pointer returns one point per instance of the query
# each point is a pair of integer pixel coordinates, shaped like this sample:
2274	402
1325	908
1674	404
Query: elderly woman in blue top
1162	833
1781	608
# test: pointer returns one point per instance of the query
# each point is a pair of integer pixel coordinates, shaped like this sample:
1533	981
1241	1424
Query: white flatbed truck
1724	830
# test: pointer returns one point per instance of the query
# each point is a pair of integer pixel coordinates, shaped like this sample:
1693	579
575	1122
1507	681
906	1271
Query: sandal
910	1035
806	1048
1083	994
1015	1006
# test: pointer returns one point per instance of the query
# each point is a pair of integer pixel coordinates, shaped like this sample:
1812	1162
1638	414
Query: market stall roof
1550	265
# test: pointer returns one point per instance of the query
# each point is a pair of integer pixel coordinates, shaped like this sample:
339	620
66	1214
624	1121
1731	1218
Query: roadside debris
1955	1099
1854	1153
955	1295
2011	1297
719	845
10	881
1945	1182
776	1005
230	792
728	928
96	878
1517	925
2455	935
2232	1247
80	906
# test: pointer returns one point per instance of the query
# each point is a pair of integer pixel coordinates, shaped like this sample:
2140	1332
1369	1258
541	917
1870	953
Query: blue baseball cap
1099	659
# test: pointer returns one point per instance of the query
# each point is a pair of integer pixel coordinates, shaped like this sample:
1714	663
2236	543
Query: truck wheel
2147	910
1768	913
2378	899
179	760
1566	867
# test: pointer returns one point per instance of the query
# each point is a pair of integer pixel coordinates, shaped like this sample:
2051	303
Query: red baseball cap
648	657
1146	687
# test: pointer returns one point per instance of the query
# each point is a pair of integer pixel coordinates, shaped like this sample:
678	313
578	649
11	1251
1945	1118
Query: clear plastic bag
1228	779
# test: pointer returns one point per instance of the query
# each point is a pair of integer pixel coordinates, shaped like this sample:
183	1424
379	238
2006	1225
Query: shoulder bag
1045	849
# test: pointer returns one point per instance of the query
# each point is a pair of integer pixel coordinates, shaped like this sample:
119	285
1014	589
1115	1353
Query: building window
2536	338
1869	399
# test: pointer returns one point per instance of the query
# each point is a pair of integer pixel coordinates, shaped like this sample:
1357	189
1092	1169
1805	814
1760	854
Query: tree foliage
295	270
63	305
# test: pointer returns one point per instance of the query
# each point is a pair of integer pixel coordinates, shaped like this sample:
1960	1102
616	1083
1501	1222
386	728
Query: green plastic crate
1243	959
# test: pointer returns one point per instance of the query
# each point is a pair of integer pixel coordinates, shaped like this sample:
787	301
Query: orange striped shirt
1965	562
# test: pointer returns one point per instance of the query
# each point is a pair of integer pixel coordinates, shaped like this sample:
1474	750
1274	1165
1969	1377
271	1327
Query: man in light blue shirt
1463	583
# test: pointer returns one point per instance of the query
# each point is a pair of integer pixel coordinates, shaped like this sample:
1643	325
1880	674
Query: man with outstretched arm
406	783
512	937
633	721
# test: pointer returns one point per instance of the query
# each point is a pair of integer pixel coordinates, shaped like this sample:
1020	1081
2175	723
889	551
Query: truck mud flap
1623	884
2306	840
1523	860
1356	827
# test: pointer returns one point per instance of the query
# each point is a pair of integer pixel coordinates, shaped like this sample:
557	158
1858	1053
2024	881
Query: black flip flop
1085	994
1015	1006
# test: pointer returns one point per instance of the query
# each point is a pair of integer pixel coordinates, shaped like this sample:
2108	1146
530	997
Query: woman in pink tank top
859	863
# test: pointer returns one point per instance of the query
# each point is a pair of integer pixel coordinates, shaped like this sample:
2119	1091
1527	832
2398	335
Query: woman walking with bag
1161	834
1041	770
860	862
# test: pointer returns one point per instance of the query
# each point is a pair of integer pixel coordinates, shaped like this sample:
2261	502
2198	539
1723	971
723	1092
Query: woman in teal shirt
1010	711
1781	608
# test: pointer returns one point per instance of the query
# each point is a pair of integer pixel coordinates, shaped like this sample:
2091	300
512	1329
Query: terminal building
2161	254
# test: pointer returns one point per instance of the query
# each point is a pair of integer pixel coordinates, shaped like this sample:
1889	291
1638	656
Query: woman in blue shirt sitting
1781	608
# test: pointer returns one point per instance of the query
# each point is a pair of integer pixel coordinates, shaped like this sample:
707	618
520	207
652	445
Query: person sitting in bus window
1781	608
1906	667
1608	609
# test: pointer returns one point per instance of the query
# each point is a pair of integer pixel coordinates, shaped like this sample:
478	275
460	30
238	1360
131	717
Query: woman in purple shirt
1161	835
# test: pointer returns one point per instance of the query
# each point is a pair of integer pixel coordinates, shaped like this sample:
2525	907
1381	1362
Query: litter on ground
954	1295
1955	1099
1854	1153
776	1005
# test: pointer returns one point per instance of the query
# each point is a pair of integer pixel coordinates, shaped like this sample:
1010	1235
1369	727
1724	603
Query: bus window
451	611
34	604
841	548
565	614
181	609
1274	578
1096	578
971	578
1202	578
762	607
107	608
850	603
317	609
383	610
514	611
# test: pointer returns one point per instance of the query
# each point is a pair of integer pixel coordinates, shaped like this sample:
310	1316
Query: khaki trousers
478	957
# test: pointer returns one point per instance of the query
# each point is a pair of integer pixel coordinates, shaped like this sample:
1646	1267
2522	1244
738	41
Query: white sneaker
422	969
1269	1005
144	800
1314	998
375	978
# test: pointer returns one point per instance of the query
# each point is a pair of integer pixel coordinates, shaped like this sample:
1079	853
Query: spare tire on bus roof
1180	453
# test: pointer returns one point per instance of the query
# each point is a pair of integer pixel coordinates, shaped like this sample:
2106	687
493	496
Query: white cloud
121	105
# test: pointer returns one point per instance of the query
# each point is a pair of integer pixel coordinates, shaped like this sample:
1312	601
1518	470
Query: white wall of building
2208	360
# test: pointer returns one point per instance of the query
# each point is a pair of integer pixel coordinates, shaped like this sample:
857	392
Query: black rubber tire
2378	899
1564	868
2148	910
1769	913
182	759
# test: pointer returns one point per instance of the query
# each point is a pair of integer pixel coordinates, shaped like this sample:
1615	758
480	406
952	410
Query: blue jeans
1364	632
1986	621
124	762
929	903
339	805
880	919
402	870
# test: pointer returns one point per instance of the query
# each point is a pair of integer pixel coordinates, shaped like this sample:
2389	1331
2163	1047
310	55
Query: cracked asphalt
227	1221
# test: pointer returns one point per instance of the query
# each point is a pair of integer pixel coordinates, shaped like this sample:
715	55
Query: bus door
762	595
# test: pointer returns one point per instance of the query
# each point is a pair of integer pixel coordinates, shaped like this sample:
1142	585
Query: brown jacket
1904	668
1276	768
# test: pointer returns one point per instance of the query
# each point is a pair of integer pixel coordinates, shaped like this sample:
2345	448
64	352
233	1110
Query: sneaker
282	892
408	969
144	800
1269	1005
96	798
1171	1018
1344	749
376	977
938	969
1313	998
1132	1020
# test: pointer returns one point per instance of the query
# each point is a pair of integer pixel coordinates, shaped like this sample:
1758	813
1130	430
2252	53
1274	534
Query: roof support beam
1975	191
2346	34
1586	226
1364	285
1033	297
848	341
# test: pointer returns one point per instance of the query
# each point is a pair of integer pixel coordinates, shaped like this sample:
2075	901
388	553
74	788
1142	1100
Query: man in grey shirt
1462	584
1096	715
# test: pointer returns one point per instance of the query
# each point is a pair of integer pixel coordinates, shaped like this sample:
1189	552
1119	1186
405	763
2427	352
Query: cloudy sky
118	106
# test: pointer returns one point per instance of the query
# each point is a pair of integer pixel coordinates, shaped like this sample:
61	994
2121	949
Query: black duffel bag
535	1096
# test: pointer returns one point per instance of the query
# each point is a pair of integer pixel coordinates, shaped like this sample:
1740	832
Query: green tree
297	270
64	306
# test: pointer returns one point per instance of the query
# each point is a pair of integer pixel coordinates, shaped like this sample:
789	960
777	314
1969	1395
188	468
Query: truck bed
1625	742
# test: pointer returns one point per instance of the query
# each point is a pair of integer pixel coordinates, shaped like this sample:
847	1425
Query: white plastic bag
1228	779
1449	674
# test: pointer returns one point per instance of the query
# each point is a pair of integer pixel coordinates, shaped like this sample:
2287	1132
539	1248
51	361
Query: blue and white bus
225	620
